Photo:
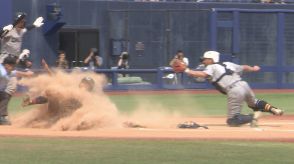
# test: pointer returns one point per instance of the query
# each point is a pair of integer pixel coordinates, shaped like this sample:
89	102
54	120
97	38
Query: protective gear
38	22
263	106
190	125
227	72
24	53
8	27
214	55
89	82
239	120
20	16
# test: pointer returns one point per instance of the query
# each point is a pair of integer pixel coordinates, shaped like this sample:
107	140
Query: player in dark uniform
86	83
58	105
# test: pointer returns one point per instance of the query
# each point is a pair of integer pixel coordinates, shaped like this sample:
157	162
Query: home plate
258	129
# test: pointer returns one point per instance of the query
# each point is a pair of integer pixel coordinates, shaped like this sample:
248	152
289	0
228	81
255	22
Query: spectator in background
179	55
123	62
61	62
93	60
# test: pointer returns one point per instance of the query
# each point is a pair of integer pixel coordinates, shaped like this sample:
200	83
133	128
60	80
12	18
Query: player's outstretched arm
196	73
248	68
37	23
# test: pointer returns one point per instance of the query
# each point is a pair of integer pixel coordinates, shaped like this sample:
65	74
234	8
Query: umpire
8	84
226	79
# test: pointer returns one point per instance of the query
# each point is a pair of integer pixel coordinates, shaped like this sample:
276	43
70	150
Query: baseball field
157	139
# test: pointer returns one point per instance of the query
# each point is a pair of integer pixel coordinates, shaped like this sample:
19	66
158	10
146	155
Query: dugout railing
150	79
161	79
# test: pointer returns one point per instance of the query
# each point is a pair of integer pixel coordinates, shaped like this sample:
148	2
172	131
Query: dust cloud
96	111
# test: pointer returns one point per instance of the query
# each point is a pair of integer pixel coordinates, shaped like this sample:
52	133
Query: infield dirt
99	117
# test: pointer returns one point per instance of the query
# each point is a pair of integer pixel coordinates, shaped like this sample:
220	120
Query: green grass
193	104
187	104
58	151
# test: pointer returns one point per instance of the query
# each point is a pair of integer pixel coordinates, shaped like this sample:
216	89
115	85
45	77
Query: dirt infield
271	128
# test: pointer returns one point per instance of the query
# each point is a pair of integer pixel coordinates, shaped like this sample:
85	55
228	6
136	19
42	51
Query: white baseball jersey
11	43
215	71
237	90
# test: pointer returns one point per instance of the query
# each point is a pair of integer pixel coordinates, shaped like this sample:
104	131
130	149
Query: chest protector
215	83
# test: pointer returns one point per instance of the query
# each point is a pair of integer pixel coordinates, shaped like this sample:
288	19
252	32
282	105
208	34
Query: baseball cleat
257	115
254	123
277	111
4	121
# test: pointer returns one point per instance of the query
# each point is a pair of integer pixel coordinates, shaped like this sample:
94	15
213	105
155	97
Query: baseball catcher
226	79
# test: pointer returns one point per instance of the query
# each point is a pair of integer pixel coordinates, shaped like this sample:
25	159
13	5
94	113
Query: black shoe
4	121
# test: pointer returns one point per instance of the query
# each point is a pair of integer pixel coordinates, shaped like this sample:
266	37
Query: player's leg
4	100
261	105
38	100
266	107
236	98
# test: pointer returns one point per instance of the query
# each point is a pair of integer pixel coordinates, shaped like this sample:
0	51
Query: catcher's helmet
214	55
89	82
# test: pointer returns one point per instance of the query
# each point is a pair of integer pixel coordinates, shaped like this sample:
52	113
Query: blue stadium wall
155	31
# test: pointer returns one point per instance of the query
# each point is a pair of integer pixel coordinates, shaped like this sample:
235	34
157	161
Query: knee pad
239	120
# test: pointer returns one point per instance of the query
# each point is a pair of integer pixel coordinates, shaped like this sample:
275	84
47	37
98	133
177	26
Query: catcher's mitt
190	125
178	66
